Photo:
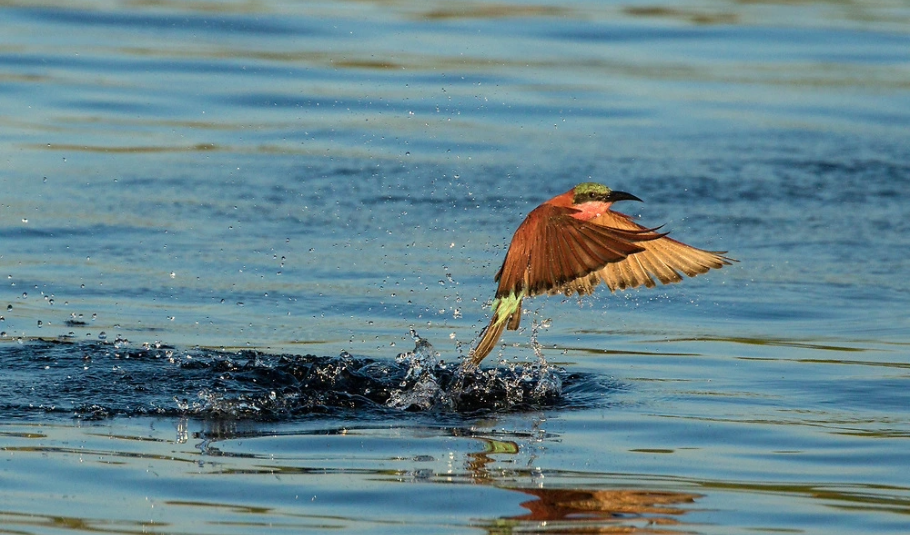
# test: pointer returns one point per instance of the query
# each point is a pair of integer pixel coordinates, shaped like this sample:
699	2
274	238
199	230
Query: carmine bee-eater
573	242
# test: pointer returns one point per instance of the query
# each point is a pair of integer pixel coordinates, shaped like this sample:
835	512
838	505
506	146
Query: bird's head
594	192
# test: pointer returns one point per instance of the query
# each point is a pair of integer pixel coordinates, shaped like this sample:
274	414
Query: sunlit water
245	246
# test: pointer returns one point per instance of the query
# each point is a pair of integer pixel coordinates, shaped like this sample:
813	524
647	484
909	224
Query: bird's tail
488	341
506	312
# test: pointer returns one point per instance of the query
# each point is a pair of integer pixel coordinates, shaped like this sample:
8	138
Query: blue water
200	200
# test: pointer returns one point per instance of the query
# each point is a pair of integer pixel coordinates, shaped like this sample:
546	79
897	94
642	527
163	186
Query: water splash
429	384
420	386
101	379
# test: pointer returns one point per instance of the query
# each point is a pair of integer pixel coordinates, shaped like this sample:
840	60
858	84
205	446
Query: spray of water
100	380
429	384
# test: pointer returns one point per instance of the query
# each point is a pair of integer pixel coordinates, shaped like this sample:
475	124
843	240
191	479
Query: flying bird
573	242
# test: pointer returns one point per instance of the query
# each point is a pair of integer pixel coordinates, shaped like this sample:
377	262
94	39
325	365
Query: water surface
200	200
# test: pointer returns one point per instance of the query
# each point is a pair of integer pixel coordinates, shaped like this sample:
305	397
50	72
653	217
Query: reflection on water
563	510
571	510
623	507
505	478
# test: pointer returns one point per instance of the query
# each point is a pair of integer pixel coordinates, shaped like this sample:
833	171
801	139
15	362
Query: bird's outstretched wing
662	258
552	252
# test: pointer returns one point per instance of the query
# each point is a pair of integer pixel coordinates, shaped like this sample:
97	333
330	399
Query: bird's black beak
615	196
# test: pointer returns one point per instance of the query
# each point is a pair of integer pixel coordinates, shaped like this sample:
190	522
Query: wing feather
664	273
663	258
553	252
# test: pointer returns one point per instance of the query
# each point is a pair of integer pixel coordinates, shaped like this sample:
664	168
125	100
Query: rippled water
221	221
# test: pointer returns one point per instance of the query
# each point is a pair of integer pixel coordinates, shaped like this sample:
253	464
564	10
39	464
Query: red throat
589	210
586	211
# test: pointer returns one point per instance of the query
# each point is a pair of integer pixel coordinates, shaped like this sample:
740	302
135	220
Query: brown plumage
572	243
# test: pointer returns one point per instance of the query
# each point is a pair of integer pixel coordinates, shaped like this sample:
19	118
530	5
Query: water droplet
40	324
24	295
102	335
9	307
173	275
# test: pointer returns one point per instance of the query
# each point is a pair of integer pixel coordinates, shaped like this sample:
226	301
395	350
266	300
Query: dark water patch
123	149
32	232
806	44
276	100
217	24
99	380
150	63
110	107
430	107
622	34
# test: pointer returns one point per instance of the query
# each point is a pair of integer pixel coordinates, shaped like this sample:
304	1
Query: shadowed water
92	381
223	224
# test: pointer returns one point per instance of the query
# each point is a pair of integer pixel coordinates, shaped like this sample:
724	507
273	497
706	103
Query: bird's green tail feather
504	308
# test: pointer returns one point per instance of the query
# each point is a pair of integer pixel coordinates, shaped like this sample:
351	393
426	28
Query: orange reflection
566	510
656	507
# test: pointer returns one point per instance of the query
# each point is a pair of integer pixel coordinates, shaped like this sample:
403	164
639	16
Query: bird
575	241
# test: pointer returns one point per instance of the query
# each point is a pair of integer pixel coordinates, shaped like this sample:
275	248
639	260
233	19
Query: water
221	222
